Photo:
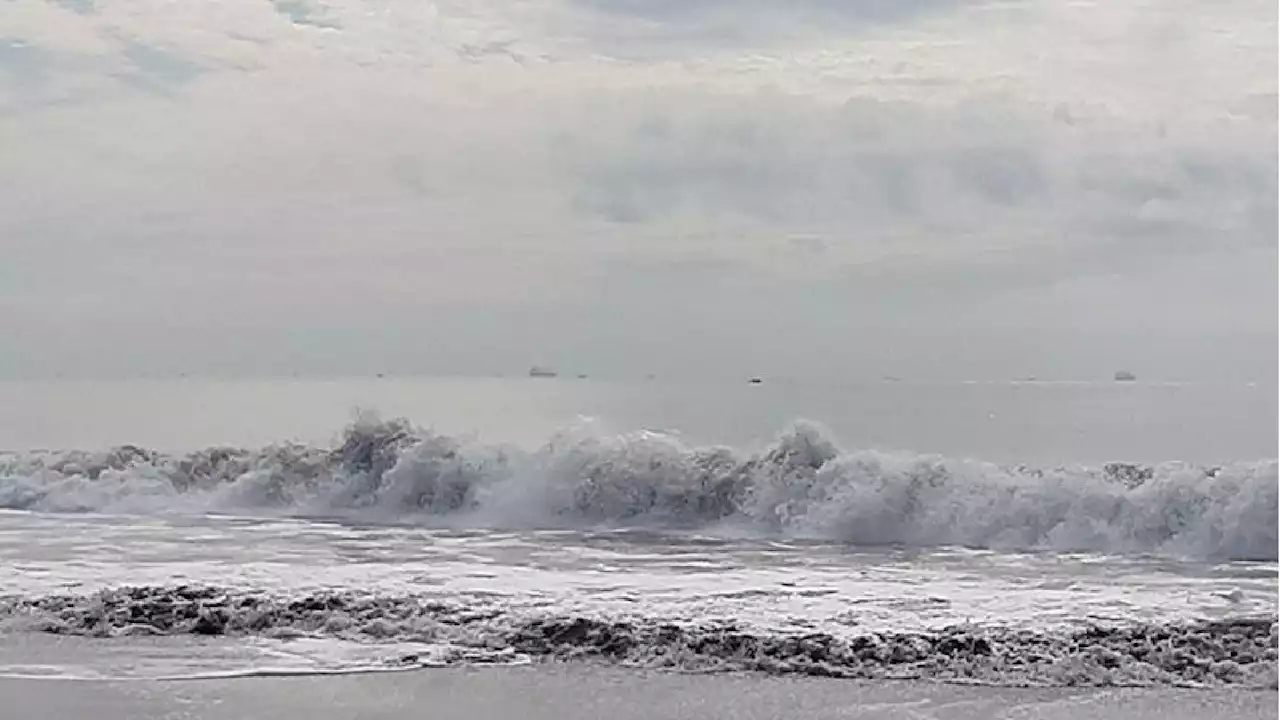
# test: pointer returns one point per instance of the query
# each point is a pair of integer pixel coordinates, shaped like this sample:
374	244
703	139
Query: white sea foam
359	632
802	485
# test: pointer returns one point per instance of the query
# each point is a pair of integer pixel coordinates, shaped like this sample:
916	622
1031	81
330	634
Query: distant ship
539	372
1125	376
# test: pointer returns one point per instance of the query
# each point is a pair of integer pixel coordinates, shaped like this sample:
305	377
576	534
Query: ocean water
1003	534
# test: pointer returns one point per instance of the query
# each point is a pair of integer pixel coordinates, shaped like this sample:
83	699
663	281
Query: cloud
619	180
640	28
26	67
675	11
300	12
35	76
79	7
933	180
156	69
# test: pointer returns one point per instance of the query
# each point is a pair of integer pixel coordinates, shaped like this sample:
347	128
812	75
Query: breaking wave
1236	651
802	485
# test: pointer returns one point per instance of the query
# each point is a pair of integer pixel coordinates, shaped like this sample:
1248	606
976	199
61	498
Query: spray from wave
802	485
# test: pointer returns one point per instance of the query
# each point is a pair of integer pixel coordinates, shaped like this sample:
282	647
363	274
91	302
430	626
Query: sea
889	545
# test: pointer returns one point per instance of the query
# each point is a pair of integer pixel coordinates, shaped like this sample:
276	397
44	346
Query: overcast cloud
931	188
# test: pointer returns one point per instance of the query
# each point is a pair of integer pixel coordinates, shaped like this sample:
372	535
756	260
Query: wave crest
802	485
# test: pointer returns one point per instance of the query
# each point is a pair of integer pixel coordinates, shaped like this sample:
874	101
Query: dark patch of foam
1239	651
801	486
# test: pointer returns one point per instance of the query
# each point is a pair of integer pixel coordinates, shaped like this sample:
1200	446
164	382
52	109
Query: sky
935	189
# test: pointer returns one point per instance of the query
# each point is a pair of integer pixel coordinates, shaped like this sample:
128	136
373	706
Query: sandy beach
578	692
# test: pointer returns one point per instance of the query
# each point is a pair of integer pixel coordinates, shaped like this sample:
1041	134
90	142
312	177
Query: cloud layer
331	185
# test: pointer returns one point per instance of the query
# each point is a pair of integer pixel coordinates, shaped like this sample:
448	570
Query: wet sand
578	692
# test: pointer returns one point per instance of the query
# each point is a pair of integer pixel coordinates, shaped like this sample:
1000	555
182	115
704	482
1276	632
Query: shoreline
576	691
